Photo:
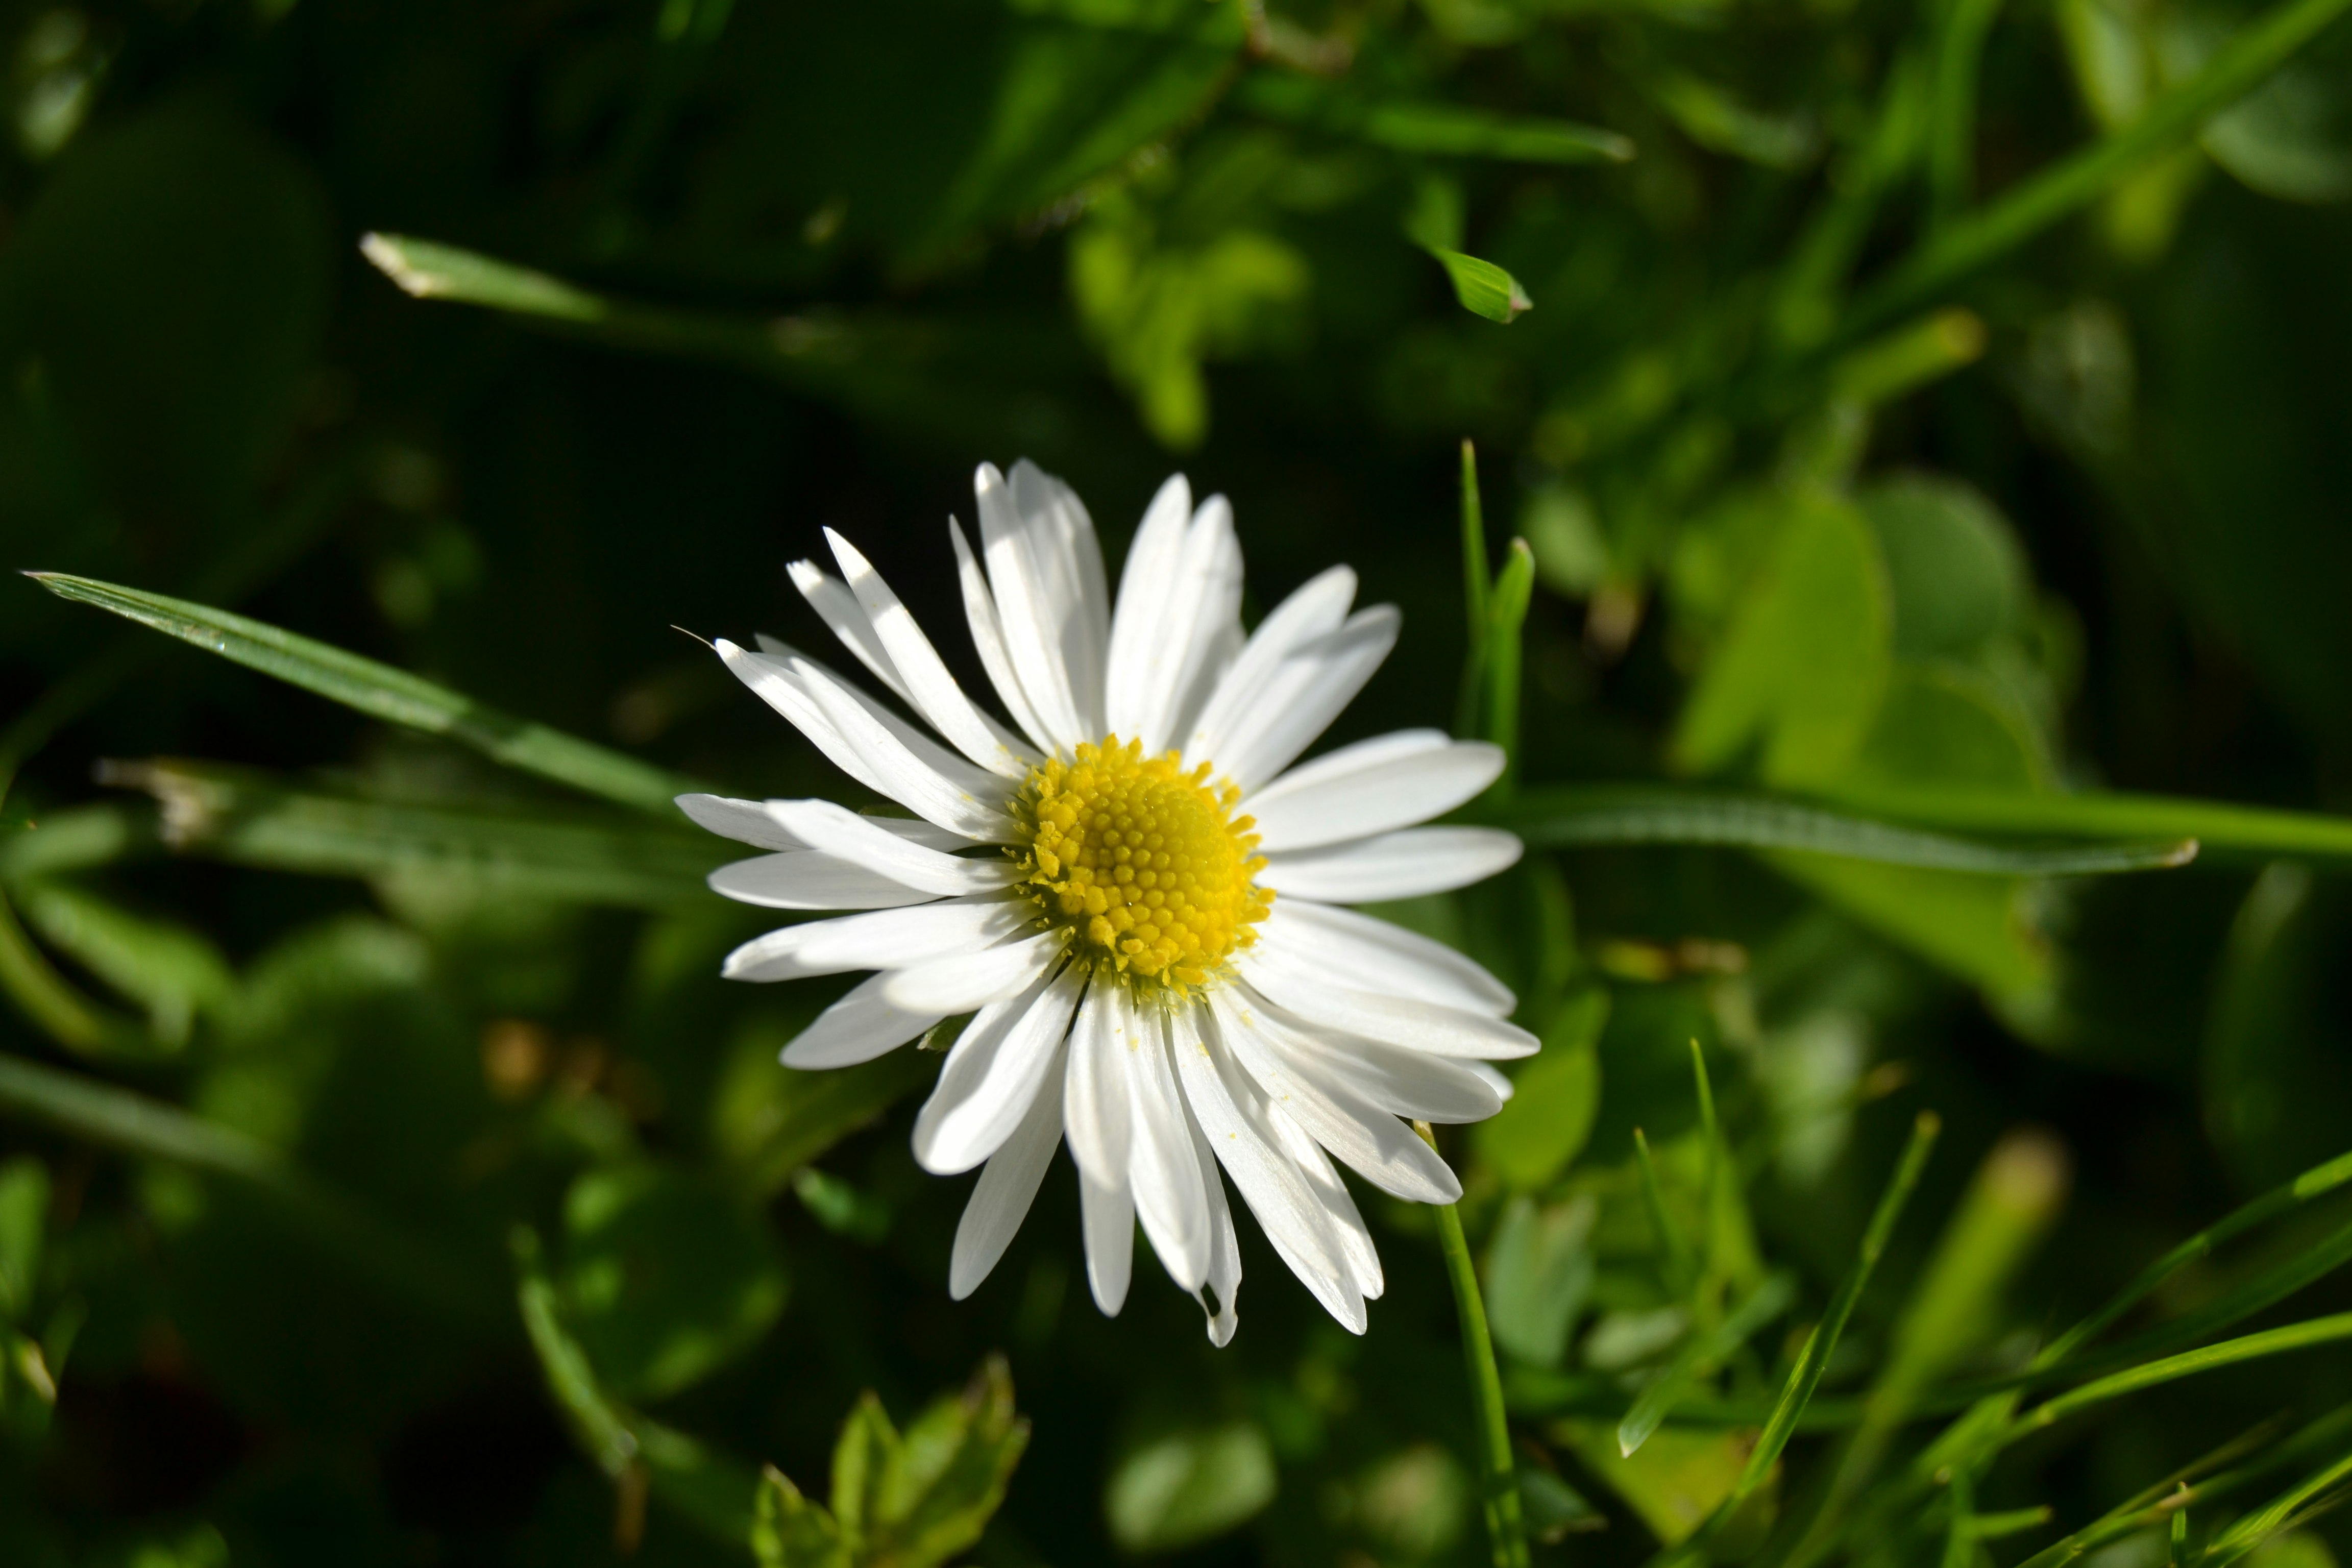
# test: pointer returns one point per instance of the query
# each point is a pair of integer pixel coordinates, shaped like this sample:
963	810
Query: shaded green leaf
1189	1487
1556	1095
1429	128
1483	288
1540	1269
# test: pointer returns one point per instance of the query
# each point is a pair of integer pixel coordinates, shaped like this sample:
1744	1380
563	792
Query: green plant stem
1506	616
2076	181
1498	1481
1476	586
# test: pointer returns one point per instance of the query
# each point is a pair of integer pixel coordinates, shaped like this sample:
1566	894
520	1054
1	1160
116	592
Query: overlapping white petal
1319	1042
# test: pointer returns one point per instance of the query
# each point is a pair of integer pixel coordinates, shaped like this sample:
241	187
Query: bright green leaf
1188	1486
1555	1096
1483	288
1539	1268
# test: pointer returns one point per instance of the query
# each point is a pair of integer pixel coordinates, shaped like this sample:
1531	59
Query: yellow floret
1144	863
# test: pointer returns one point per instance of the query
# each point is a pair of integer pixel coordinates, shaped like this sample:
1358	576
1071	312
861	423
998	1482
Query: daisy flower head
1136	891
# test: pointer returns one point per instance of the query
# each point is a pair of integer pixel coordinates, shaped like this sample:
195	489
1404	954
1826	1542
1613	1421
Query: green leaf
766	1123
2207	1358
788	1530
1556	1095
383	692
1805	658
175	972
1560	816
1483	288
1189	1487
917	1499
488	849
664	1280
1957	572
1540	1269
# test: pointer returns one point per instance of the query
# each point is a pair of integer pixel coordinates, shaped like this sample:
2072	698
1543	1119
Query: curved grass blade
2207	1358
1560	816
2219	827
1765	1302
383	692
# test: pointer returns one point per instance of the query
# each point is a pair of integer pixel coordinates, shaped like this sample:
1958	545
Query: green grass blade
2171	1369
2250	832
1446	130
1806	1375
1477	586
2284	1512
602	859
1675	1263
383	692
1482	287
2072	182
1506	616
1573	816
2272	1284
1763	1304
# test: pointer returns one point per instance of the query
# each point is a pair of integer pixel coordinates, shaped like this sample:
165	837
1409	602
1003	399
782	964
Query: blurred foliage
1926	426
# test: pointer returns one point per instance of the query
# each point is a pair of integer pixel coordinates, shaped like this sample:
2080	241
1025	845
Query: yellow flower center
1143	864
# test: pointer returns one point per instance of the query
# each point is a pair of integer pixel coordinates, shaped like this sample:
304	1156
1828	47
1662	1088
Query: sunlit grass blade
1674	1249
2313	1495
637	1453
1476	587
1575	816
383	692
131	1123
1763	1304
2217	827
2169	1369
251	820
1709	1193
2272	1284
1506	616
1813	1360
2033	204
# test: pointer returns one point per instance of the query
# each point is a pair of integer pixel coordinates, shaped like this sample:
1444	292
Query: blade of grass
383	692
131	1123
2291	1508
1507	615
1675	1262
1710	1196
1429	128
2219	827
1763	1304
2171	1369
1573	816
1476	586
2034	203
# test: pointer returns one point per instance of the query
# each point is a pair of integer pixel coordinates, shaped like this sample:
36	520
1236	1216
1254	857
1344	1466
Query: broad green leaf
1570	816
383	692
1956	570
1483	288
24	1218
1976	927
1428	128
1413	1506
1539	1268
1555	1096
2289	138
665	1279
488	849
1189	1487
910	1500
714	1490
1802	664
2268	1047
1943	722
1676	1481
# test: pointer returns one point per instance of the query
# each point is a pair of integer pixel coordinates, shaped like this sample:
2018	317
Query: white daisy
1134	894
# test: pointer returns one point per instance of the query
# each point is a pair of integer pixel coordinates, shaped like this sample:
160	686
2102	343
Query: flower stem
1499	1481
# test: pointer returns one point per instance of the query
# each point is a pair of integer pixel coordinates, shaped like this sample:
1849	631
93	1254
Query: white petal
887	938
1303	694
1094	1101
1007	1186
988	638
1360	1134
1204	595
1491	1076
1056	518
840	610
1163	1170
1269	1181
994	1073
807	879
1411	1084
1400	865
857	1028
782	690
1314	610
1023	571
1108	1218
1402	1021
916	771
962	982
923	676
748	822
1143	605
1224	1279
835	830
1389	782
1356	949
1338	1204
